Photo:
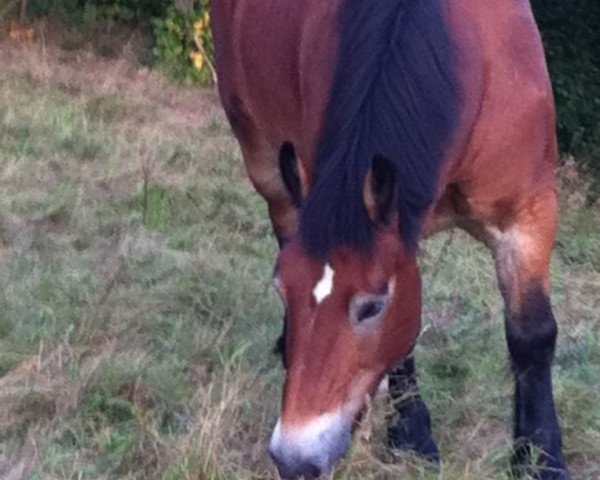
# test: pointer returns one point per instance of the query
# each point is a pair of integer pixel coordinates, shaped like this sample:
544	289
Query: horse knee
238	117
531	332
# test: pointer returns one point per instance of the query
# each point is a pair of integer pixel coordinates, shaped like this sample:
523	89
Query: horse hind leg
410	424
522	254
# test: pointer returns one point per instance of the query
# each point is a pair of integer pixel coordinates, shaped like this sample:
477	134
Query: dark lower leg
280	345
531	335
277	212
410	426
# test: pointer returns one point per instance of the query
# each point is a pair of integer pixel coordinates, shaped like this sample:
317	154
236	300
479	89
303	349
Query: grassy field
137	318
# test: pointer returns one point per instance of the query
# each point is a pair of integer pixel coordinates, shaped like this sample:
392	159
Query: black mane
394	93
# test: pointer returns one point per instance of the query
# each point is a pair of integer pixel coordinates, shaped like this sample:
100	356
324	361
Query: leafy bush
183	39
184	44
571	34
83	11
570	30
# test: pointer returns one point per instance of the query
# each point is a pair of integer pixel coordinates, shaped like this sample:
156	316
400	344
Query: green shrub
84	11
571	35
184	44
570	30
183	40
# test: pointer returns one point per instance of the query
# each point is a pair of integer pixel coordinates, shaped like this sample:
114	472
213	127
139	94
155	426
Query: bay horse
368	125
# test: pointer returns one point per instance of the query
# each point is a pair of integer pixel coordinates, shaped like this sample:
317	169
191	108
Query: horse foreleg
262	161
522	255
263	166
410	425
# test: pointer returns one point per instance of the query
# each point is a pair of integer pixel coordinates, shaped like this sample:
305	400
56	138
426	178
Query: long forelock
395	94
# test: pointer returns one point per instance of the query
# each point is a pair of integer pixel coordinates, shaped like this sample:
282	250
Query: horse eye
369	309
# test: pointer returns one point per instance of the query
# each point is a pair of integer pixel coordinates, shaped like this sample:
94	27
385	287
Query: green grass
137	318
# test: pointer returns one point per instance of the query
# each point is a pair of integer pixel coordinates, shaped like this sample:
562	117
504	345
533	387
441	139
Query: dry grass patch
137	317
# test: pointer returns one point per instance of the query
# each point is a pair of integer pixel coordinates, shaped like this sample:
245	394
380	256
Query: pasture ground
137	318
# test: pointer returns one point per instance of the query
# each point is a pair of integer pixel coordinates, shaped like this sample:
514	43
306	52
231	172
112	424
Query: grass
137	317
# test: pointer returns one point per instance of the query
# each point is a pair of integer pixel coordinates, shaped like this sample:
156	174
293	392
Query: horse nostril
313	449
311	471
291	468
284	466
296	471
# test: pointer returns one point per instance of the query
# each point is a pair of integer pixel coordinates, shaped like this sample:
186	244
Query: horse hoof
549	474
421	445
410	431
547	470
428	451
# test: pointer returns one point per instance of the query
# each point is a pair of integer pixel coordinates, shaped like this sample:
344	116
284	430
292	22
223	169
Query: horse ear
291	173
381	191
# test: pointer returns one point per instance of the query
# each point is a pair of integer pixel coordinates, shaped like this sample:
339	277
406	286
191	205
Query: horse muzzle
312	449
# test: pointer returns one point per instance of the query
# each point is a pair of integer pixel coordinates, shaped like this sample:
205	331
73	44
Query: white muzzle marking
304	438
321	442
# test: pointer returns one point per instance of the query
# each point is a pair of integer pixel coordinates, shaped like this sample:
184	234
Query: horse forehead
324	285
343	268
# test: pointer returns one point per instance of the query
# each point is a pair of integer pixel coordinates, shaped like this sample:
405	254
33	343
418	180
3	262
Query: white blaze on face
324	287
